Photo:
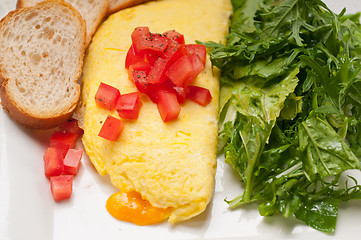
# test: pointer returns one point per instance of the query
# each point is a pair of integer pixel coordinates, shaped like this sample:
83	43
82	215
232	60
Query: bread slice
93	11
116	5
42	50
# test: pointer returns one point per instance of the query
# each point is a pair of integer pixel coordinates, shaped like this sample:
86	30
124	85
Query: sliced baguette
42	49
116	5
93	11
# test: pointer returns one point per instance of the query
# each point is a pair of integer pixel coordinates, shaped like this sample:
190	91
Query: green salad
290	107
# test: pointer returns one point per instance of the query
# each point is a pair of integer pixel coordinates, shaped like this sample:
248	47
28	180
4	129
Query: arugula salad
290	107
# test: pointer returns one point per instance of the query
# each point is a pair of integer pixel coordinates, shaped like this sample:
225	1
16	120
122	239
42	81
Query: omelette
169	165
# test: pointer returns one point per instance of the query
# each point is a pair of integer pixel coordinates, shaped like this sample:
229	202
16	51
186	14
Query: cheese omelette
171	165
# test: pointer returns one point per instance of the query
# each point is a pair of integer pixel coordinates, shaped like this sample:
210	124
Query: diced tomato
200	95
174	51
129	105
198	66
61	187
132	57
53	162
157	72
72	161
168	106
181	93
111	129
138	37
107	96
63	141
143	40
174	35
140	66
71	126
140	80
198	49
181	72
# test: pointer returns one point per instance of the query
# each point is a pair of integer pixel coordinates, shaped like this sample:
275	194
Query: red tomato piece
63	141
132	57
129	105
181	72
61	187
200	95
140	80
168	106
107	96
140	66
72	161
71	126
198	65
139	35
174	51
174	35
53	162
181	93
157	72
198	49
111	129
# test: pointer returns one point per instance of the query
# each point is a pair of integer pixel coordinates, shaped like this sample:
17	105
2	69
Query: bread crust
28	119
114	6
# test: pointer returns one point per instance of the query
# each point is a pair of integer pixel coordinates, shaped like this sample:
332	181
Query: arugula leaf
290	107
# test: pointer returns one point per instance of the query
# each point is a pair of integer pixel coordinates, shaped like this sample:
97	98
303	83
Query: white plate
27	210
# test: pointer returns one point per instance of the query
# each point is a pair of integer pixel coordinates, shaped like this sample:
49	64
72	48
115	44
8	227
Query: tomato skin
53	162
199	95
129	105
174	51
138	36
107	96
63	141
111	128
181	72
132	57
168	106
72	161
199	49
71	126
174	35
61	187
198	66
157	72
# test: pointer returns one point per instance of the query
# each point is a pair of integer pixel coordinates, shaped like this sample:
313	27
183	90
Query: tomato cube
138	37
129	105
174	51
107	96
72	161
174	35
168	106
140	66
63	141
140	80
200	95
111	129
198	65
157	72
198	49
181	93
61	187
132	57
181	72
53	162
71	126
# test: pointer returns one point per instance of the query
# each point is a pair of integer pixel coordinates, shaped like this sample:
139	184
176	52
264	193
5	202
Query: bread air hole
35	58
31	16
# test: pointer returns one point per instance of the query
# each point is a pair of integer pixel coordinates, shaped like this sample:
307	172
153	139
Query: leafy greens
290	107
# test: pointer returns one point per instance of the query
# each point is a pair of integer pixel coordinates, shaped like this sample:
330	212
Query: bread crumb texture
42	50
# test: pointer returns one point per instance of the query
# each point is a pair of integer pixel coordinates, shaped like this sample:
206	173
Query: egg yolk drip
130	207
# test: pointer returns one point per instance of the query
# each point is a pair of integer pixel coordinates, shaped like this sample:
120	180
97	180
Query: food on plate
290	107
116	5
92	11
166	167
62	160
42	50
